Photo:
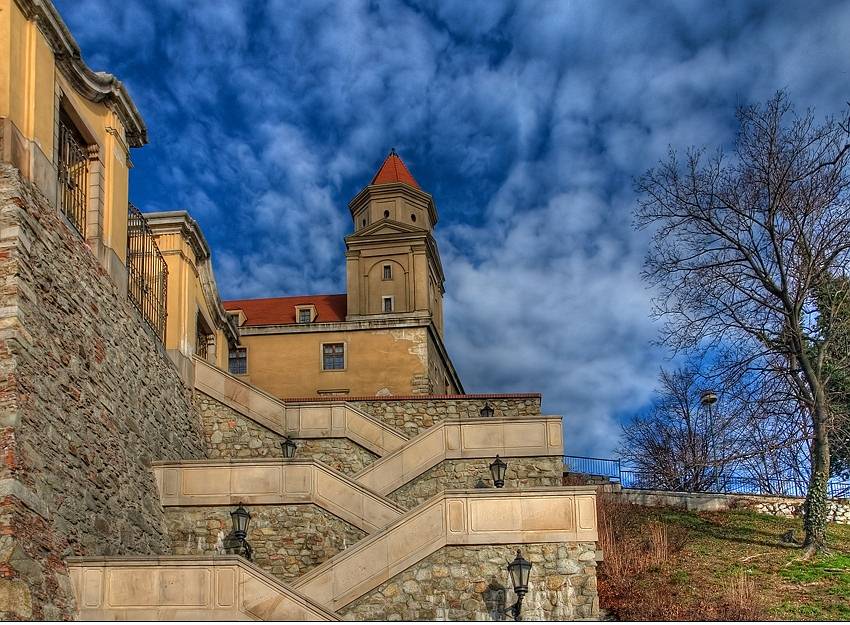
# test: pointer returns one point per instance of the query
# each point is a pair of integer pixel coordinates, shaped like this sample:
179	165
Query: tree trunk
817	504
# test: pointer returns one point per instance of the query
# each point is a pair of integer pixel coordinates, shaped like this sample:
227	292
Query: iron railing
744	485
147	272
73	176
603	467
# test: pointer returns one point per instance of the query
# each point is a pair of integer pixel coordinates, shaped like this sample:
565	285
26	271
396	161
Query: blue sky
526	121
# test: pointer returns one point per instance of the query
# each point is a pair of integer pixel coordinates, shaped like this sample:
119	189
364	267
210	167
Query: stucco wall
452	474
88	398
414	415
230	435
287	540
471	584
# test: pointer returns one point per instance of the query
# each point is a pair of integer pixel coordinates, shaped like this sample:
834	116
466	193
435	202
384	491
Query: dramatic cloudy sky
526	121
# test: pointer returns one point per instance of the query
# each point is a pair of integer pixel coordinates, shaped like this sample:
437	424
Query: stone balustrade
273	481
168	588
469	517
299	420
464	438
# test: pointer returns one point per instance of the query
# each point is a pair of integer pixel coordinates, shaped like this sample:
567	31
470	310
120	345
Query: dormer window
388	272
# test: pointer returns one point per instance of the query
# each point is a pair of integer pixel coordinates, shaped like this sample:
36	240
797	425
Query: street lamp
497	470
487	411
288	446
519	571
708	398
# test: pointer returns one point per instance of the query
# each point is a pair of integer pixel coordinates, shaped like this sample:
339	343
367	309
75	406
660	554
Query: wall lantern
497	470
519	571
240	518
288	446
487	411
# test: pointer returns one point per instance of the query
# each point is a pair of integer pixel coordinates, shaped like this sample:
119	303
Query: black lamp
288	446
519	570
240	519
487	411
497	470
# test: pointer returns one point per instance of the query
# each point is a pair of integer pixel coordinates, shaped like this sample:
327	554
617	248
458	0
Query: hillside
665	564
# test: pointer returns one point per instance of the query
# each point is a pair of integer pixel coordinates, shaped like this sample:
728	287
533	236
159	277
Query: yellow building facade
384	336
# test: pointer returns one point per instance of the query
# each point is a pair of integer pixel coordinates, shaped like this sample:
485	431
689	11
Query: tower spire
394	170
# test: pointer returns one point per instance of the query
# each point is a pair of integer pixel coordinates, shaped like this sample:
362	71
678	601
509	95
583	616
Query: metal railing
744	485
73	176
146	271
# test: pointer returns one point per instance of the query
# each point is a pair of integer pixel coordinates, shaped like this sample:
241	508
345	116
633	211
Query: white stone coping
252	481
458	517
206	588
464	438
300	420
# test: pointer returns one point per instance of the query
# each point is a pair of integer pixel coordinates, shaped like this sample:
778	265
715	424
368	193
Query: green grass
710	555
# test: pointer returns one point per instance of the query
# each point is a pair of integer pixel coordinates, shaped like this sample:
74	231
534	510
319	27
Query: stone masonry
230	435
413	416
471	584
88	398
287	540
475	473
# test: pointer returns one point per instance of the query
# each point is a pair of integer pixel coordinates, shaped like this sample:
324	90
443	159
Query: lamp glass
487	411
240	519
520	571
497	469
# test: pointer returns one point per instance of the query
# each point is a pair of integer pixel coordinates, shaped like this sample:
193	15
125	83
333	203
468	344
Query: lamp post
497	470
707	399
288	447
487	411
519	571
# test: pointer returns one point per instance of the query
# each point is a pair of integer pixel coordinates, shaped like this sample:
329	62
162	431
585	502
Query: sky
527	122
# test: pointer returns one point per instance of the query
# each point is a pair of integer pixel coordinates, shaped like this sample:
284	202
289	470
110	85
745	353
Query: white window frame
344	355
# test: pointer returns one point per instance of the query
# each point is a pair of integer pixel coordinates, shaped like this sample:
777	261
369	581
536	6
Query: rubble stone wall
88	398
471	583
287	540
475	473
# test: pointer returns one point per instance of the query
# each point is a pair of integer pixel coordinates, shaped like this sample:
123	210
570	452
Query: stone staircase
387	538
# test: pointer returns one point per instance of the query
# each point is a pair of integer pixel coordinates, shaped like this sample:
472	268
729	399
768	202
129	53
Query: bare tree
681	444
741	243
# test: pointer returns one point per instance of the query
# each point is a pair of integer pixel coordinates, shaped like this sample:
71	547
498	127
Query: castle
167	455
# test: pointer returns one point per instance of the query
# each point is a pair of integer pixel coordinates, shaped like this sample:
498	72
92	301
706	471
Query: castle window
304	315
387	301
386	214
412	217
333	356
237	361
73	173
388	272
364	223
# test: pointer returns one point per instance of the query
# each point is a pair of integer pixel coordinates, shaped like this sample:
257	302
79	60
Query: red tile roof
269	311
393	170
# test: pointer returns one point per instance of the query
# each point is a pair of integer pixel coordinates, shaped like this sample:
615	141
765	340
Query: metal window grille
237	361
73	175
333	356
146	271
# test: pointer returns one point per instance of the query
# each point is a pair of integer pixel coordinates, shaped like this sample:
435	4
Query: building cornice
92	85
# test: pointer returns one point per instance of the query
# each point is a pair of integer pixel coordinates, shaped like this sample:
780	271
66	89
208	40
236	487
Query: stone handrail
169	588
225	482
468	517
301	419
455	438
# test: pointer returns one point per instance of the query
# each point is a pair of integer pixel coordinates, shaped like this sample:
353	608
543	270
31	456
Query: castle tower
393	268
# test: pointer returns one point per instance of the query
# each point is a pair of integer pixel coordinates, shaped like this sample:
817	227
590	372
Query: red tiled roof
269	311
393	170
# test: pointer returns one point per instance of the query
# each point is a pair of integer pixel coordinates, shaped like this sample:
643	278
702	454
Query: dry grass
662	564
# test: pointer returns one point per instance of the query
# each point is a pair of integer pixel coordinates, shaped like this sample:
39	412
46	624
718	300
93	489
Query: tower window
388	272
333	356
364	223
386	214
387	301
412	217
237	361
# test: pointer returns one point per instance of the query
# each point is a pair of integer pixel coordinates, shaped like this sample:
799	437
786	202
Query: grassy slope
669	564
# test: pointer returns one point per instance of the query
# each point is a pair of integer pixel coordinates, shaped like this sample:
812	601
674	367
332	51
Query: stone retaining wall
471	584
87	398
413	416
475	473
230	435
287	540
838	511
